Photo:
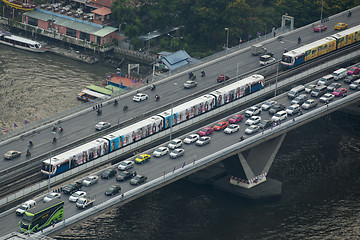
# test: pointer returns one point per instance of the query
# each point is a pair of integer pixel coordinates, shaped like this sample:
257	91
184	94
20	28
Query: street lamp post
119	69
50	166
227	40
277	74
171	119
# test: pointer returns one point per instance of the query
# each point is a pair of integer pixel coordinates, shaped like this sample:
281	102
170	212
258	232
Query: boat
18	4
88	95
20	42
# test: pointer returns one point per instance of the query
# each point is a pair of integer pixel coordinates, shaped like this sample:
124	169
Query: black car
351	78
125	175
112	190
277	107
265	124
138	179
72	187
108	173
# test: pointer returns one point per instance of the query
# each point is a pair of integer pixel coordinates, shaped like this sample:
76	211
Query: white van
326	80
340	74
279	116
26	206
294	92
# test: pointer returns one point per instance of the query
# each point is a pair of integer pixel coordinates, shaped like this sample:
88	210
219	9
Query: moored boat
20	42
18	4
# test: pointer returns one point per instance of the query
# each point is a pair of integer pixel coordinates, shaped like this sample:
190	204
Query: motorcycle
349	14
202	73
28	153
99	112
115	102
152	87
54	140
54	129
157	97
61	129
31	143
299	40
125	108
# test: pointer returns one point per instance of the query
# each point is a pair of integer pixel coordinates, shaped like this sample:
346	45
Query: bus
42	216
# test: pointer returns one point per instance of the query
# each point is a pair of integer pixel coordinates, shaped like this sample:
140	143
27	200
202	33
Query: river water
318	164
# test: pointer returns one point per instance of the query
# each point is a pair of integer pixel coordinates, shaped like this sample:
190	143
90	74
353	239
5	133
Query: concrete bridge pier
247	171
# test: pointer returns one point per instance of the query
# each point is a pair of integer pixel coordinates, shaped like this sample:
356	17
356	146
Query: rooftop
102	11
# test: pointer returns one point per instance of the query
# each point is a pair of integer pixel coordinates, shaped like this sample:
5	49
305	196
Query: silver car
125	165
252	129
190	84
161	151
191	138
102	125
202	141
177	153
232	128
90	180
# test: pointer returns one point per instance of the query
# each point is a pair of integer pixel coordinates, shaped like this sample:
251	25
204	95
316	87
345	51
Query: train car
75	157
347	37
238	89
308	52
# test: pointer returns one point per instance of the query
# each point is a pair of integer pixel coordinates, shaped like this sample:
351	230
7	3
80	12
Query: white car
191	138
161	151
252	129
252	111
279	116
232	128
177	153
125	165
76	195
267	105
102	125
253	120
50	196
203	140
90	180
175	143
295	108
140	97
327	97
309	104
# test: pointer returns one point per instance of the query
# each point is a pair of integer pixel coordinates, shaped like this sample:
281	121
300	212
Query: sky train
152	125
321	47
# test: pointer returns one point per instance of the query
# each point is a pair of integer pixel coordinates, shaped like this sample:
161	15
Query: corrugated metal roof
177	59
70	22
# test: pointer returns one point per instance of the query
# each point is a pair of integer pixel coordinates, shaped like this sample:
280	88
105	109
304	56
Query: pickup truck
72	187
85	202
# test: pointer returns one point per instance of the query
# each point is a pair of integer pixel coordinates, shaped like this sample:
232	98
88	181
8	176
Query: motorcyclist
349	13
115	102
28	152
125	107
60	129
299	39
191	74
242	138
202	73
99	111
153	87
31	143
54	140
157	97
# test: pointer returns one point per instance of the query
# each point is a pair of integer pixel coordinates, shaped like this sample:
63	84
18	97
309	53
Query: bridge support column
248	169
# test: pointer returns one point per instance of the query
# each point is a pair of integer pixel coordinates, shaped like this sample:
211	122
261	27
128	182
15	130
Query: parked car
253	120
177	153
268	104
300	99
340	92
190	84
353	70
125	175
310	103
252	111
108	173
203	141
265	124
140	97
279	116
102	125
252	129
114	189
295	108
160	151
340	26
327	97
12	154
143	158
232	128
191	138
90	180
222	78
138	179
76	195
276	108
220	125
333	86
51	196
125	165
205	131
310	87
320	28
236	118
175	143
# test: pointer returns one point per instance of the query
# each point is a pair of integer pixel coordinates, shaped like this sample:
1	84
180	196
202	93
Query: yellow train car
347	37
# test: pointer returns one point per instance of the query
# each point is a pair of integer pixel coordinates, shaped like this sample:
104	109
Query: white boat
20	42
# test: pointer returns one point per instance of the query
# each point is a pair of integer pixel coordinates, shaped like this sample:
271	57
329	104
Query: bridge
244	172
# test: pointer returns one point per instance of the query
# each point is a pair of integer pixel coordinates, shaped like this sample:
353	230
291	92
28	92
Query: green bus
42	216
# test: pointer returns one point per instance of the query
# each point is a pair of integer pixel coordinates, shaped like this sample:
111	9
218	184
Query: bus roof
43	206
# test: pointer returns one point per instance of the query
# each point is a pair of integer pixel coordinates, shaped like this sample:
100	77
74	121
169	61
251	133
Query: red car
221	78
353	70
206	131
340	92
236	118
221	125
319	28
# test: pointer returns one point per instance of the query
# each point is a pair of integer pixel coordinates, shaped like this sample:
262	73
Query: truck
72	187
266	59
85	202
257	49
